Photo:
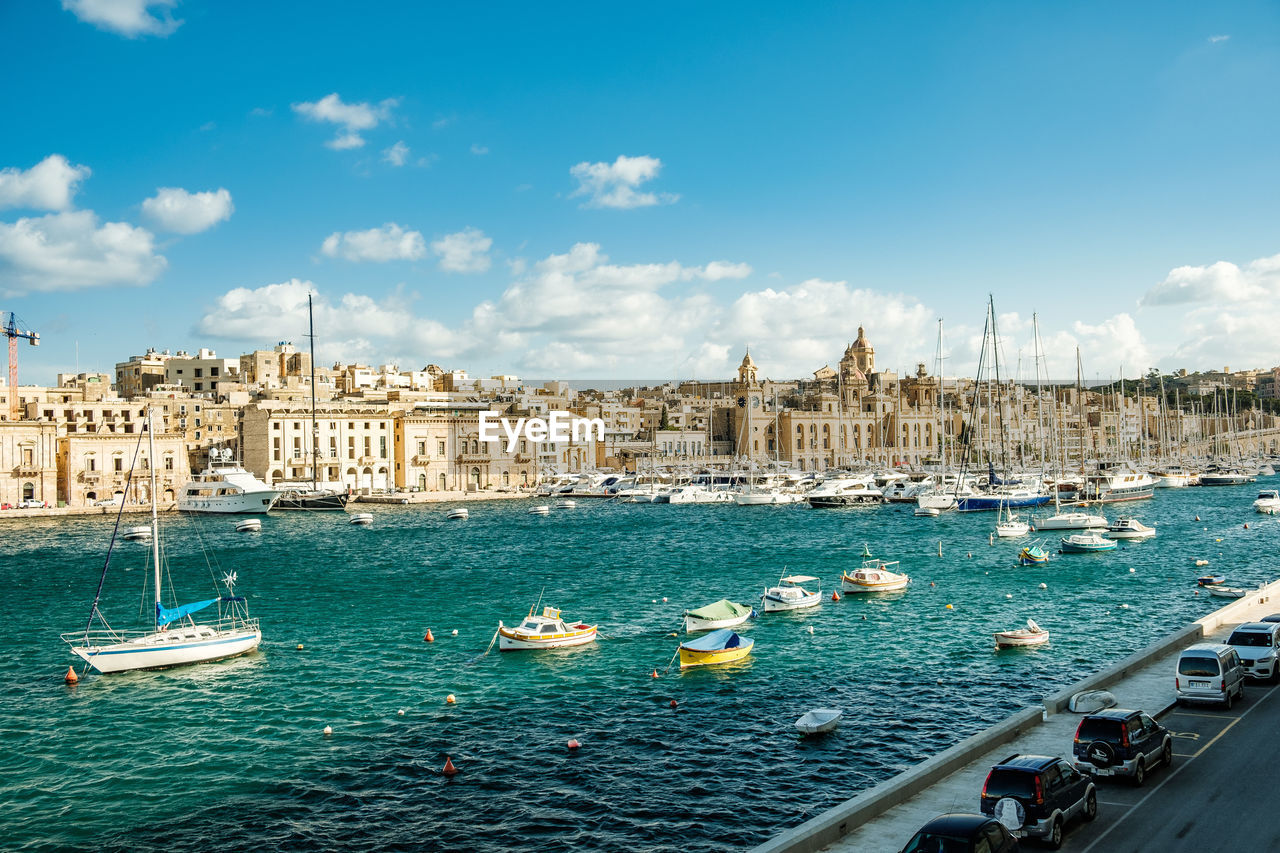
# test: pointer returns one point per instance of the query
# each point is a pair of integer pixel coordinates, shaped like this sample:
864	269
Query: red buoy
835	596
655	673
429	638
573	743
449	769
71	677
673	703
1246	526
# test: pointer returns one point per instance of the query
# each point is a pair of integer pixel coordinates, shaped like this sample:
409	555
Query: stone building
94	467
355	444
28	462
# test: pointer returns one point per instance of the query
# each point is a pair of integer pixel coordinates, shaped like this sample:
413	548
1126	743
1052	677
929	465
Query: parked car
31	504
1119	742
962	833
1209	672
1258	645
1274	617
1039	794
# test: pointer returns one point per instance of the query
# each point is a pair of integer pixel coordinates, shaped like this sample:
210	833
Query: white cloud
175	209
1219	282
479	150
388	243
70	251
464	251
1217	39
1215	338
614	184
129	18
351	118
396	154
717	270
48	185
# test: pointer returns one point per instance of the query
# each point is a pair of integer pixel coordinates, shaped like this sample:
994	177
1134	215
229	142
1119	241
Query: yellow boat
722	646
547	631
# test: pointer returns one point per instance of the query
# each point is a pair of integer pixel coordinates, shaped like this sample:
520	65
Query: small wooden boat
458	513
1032	635
928	511
1211	580
1086	543
874	576
790	595
722	614
1129	528
1033	555
1228	591
248	525
542	509
547	631
819	721
363	519
138	534
721	646
566	504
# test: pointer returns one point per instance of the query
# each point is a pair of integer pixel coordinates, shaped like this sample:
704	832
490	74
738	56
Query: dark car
1038	794
1274	617
962	833
1119	742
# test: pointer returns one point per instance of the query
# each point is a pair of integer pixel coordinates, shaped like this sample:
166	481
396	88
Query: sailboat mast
315	430
155	518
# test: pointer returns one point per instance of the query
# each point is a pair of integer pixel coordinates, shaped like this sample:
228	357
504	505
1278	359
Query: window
367	446
168	462
90	463
213	371
199	373
440	449
117	464
799	444
422	448
382	447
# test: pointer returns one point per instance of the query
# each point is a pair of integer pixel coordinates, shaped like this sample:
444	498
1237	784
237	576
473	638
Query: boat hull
314	502
990	503
694	657
1071	548
853	585
775	605
512	641
248	503
165	649
693	623
1020	639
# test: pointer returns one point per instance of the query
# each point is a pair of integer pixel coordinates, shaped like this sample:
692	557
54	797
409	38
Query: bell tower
747	370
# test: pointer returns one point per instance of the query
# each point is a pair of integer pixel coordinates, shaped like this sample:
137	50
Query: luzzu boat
720	646
547	631
722	614
1032	635
1086	543
874	576
790	595
1033	555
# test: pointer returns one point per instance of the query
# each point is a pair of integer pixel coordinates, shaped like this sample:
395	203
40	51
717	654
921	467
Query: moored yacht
1122	482
845	491
225	486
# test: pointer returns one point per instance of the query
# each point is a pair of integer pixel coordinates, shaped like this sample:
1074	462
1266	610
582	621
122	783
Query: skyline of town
453	193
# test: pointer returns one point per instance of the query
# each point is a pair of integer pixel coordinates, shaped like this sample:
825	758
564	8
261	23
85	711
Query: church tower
863	353
747	370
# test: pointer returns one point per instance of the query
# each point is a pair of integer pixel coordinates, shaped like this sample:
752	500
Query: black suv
1038	794
1118	742
962	833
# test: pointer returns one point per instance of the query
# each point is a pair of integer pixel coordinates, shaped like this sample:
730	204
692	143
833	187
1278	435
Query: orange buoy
673	703
71	677
450	699
1197	518
655	673
429	638
449	769
1246	526
835	596
573	743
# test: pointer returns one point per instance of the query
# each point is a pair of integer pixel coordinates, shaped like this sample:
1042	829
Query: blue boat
722	646
997	501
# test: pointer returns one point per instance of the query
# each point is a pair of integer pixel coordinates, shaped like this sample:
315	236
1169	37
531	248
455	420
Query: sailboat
1007	523
315	497
174	638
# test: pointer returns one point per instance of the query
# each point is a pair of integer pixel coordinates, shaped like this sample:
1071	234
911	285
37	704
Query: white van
1209	672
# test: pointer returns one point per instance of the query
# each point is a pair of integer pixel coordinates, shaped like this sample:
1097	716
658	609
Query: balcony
420	460
91	476
474	457
370	460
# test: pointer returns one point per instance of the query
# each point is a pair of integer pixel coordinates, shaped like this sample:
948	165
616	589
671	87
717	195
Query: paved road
1221	793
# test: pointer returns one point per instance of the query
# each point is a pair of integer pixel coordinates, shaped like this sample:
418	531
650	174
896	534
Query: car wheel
1139	773
1231	700
1091	805
1275	672
1166	754
1054	839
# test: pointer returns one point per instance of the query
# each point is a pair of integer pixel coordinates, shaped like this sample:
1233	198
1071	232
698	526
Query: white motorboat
248	525
225	486
1173	477
1118	482
174	638
1129	528
721	614
138	534
547	631
790	595
362	519
1071	521
1268	502
845	491
874	576
1032	635
541	509
819	721
458	513
928	511
767	497
566	504
1225	477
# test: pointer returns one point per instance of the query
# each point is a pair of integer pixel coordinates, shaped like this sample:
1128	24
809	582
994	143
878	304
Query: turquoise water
232	755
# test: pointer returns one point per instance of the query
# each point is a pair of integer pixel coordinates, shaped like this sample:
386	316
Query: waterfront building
94	467
28	462
354	444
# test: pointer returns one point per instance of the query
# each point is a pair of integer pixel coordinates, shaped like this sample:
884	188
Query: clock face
755	402
742	402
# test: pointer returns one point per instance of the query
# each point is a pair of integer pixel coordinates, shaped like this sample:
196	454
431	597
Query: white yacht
1071	521
1119	482
1268	502
225	486
845	491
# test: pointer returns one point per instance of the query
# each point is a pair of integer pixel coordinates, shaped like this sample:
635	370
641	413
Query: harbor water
232	755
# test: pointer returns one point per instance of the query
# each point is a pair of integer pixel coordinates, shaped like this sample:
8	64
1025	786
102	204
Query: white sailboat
175	638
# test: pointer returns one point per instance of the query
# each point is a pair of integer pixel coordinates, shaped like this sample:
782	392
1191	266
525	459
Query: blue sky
578	191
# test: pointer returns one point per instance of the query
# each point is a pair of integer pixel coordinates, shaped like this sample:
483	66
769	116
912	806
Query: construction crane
13	332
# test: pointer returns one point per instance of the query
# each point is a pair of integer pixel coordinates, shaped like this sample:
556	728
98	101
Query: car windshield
930	842
1198	666
1010	783
1098	728
1250	638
